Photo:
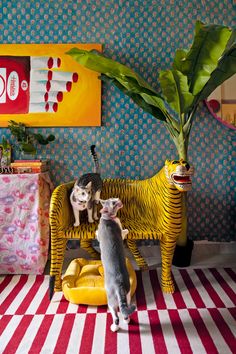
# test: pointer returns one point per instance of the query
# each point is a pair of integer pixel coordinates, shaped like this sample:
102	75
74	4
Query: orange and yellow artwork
42	86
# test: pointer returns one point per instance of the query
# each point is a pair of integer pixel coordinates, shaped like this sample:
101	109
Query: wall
131	143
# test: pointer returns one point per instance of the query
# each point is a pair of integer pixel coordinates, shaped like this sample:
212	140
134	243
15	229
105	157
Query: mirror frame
226	124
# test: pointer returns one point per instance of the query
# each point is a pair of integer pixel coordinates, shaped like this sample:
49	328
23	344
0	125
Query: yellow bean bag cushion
83	282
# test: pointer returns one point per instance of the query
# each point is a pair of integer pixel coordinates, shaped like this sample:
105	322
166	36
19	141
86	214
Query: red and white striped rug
200	317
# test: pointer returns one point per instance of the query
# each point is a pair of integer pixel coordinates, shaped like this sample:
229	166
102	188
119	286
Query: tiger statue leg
87	246
142	264
167	248
57	258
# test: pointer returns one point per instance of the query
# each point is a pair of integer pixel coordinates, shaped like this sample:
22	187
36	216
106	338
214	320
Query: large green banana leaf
175	88
202	59
125	79
225	69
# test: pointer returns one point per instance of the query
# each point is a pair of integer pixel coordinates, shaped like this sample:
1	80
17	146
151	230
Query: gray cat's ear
88	185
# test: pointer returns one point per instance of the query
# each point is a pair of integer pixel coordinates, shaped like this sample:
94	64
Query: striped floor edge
200	317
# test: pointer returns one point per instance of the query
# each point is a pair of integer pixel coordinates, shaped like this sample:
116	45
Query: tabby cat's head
110	207
82	194
179	173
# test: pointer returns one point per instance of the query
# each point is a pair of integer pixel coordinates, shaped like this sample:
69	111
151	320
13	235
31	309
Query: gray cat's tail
95	159
125	309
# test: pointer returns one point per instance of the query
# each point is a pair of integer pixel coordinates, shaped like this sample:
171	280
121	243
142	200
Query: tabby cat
110	236
86	192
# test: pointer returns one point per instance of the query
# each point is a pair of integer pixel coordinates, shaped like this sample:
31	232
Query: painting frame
81	106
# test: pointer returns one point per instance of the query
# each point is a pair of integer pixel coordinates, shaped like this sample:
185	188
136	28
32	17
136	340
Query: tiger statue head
179	173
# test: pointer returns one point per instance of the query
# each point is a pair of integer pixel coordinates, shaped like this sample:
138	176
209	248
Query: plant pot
183	254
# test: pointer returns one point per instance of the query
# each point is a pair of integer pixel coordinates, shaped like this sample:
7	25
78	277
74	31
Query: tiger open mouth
182	179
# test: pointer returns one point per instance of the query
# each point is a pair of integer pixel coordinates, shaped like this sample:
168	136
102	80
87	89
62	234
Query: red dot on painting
75	77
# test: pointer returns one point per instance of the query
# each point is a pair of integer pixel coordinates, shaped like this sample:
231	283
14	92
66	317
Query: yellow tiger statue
154	208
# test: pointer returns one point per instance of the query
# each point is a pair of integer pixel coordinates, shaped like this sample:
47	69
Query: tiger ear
89	185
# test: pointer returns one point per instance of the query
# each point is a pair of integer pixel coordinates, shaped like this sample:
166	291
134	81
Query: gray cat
86	193
110	236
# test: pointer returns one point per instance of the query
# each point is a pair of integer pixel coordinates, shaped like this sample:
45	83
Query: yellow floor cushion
83	282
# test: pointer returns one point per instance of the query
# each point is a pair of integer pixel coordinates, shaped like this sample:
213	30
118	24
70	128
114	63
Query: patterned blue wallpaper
131	143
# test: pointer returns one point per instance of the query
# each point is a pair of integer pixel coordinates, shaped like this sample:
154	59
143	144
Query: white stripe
54	303
183	289
227	278
215	334
168	333
169	300
191	332
42	290
8	332
229	319
92	309
53	333
147	286
76	334
2	278
200	288
219	290
30	334
145	333
72	308
123	339
99	334
21	295
9	287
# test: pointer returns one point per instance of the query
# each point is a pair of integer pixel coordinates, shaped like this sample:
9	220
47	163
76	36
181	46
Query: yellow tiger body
152	209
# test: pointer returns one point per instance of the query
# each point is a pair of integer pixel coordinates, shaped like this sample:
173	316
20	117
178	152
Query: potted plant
25	140
194	75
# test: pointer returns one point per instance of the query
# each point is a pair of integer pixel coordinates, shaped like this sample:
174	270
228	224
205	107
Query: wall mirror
222	103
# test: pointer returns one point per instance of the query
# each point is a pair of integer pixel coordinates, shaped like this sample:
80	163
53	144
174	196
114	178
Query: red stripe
224	329
231	273
111	337
157	334
88	332
64	336
18	335
134	335
41	335
231	294
102	309
4	322
178	298
30	295
209	288
233	312
5	282
180	333
140	294
43	306
14	292
157	291
63	305
192	289
82	308
203	332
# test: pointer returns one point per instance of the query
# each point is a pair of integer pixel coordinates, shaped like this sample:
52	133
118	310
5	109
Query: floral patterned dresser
24	222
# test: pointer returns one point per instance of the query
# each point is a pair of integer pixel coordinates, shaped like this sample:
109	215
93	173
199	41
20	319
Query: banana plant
194	75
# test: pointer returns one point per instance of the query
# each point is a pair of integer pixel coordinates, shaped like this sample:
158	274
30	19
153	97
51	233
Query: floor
205	255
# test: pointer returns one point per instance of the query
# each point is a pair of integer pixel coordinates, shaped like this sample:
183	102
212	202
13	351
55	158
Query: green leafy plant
194	75
25	139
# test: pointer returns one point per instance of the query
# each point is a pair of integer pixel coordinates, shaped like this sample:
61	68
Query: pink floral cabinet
24	224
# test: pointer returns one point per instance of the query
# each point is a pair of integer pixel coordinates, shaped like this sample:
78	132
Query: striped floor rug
200	317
